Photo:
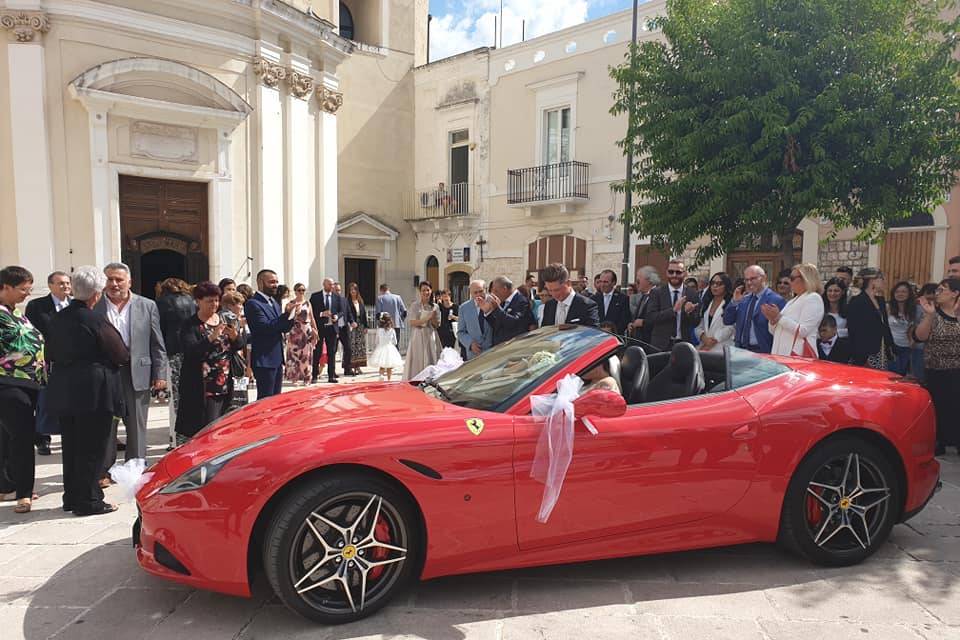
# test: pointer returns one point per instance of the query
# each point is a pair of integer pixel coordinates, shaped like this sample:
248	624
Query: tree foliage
748	115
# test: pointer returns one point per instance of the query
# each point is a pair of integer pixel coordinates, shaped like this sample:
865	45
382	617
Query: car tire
370	549
842	527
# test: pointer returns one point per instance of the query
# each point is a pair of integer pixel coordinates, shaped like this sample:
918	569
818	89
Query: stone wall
490	268
601	261
689	257
839	253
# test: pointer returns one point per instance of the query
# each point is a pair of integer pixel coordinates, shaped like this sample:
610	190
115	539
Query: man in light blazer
267	324
393	304
474	333
138	321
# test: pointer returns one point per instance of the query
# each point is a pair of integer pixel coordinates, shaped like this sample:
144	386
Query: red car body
705	471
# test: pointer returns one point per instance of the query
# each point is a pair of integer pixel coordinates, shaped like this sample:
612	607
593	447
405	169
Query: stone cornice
329	100
25	26
270	73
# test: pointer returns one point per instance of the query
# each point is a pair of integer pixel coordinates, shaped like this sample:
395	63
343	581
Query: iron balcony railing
442	201
549	182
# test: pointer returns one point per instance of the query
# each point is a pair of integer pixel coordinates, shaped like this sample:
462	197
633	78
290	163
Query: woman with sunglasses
796	327
301	339
712	333
940	331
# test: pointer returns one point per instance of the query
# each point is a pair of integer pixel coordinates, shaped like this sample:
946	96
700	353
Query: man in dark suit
267	324
830	346
328	310
40	313
612	305
753	328
673	310
346	322
647	281
566	306
507	310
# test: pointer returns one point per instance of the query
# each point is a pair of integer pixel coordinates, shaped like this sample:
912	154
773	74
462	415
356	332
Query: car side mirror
600	403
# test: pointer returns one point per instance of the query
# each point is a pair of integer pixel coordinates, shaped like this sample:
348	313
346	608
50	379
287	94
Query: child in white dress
386	357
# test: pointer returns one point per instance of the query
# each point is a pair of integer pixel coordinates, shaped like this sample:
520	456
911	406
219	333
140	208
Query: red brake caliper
814	509
382	533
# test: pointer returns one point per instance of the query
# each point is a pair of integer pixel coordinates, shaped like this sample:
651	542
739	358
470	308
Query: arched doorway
459	285
433	272
157	266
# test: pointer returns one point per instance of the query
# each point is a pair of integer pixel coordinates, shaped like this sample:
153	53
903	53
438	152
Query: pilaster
268	227
329	100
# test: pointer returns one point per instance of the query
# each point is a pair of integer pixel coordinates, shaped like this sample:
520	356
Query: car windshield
745	368
498	378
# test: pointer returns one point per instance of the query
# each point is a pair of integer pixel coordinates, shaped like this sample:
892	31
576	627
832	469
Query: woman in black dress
85	392
871	343
358	333
448	315
205	381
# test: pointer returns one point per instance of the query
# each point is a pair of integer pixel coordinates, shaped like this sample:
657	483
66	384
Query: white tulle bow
555	446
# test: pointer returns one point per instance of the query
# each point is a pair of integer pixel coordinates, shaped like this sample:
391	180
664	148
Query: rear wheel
341	547
841	503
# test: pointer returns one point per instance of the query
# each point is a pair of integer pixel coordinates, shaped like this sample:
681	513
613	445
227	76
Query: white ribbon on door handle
555	446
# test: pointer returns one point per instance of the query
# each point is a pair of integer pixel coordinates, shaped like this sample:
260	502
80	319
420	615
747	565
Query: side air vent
422	469
168	560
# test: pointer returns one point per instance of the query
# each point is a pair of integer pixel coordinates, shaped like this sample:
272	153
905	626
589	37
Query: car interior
680	373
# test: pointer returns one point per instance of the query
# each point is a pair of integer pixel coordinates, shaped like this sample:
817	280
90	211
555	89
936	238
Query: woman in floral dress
301	339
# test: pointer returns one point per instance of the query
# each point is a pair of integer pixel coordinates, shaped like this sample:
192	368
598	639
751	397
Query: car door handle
746	432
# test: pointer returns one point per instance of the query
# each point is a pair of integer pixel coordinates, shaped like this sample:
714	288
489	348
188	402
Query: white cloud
472	25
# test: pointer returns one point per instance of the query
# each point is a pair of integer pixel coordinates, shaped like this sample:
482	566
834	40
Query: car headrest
683	359
631	360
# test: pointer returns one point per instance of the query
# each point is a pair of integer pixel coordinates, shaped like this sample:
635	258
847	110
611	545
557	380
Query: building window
556	135
346	22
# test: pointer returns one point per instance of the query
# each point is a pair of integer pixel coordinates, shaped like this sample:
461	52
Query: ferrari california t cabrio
342	496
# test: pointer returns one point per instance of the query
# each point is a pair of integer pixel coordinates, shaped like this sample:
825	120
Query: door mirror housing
600	403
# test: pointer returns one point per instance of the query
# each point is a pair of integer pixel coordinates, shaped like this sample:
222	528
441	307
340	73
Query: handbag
806	351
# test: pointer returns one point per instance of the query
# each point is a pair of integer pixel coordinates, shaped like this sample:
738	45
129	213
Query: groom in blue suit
267	324
473	330
753	329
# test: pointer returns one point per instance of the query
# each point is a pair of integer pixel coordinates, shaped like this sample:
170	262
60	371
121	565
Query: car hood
346	407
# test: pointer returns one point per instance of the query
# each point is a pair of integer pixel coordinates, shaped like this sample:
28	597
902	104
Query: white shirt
563	308
60	305
266	297
607	297
119	317
673	299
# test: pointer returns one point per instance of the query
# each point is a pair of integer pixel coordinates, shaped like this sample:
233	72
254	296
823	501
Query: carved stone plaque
164	142
163	242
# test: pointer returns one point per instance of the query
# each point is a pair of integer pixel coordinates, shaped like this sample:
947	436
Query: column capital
330	100
301	84
270	73
25	26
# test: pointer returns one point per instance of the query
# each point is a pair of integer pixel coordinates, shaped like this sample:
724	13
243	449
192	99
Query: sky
461	25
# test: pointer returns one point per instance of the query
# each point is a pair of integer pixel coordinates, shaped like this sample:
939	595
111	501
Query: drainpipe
429	20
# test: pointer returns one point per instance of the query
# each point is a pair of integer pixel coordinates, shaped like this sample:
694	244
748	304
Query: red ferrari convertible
344	495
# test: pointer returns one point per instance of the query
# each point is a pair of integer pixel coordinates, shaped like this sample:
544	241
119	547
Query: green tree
748	115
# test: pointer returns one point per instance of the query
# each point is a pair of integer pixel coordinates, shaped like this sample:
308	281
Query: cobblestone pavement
72	578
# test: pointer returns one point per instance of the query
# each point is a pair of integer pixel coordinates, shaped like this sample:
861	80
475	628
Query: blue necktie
748	320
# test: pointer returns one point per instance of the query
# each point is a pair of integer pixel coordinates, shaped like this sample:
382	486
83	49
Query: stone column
299	228
329	100
32	187
223	262
268	238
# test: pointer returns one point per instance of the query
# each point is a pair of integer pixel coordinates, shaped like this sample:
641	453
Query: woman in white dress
795	328
423	317
712	333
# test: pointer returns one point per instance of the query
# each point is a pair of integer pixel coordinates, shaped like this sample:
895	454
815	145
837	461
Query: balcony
563	183
443	202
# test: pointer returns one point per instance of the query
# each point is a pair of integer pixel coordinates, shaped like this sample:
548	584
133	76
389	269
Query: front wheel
341	547
841	503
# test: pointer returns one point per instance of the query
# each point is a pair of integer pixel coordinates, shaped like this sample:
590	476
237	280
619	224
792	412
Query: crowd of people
92	353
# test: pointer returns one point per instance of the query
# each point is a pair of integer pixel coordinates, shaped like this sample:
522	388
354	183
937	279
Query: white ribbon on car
449	360
130	477
555	446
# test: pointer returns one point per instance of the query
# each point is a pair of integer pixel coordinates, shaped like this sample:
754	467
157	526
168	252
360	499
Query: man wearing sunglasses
752	328
673	310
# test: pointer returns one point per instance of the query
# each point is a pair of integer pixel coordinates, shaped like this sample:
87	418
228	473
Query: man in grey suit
473	330
138	321
393	304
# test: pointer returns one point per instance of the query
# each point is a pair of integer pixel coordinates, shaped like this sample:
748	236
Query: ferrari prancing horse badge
475	425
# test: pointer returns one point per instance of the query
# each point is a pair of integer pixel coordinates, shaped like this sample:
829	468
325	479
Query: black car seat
682	377
634	375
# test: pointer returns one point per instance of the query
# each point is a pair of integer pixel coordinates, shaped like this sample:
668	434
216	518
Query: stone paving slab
69	578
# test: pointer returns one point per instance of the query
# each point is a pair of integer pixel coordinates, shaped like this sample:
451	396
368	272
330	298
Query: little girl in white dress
386	357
